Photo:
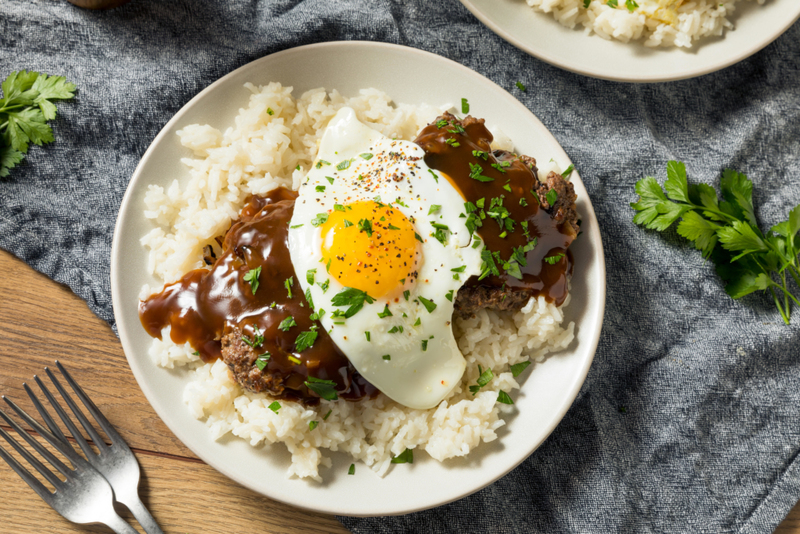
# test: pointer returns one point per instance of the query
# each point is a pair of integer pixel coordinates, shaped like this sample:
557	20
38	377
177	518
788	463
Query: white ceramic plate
540	35
547	392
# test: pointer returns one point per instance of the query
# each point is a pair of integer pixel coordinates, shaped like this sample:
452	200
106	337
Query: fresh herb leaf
287	323
306	339
429	304
258	338
435	208
449	295
251	277
343	165
476	173
521	87
385	313
566	172
631	5
320	189
367	335
517	368
325	417
321	218
288	283
312	425
464	106
405	457
261	361
352	470
551	196
552	260
353	298
386	357
435	177
484	378
365	225
275	406
323	388
366	155
310	275
503	397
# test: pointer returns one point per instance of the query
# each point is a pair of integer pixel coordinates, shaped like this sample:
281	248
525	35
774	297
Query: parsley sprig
25	108
748	259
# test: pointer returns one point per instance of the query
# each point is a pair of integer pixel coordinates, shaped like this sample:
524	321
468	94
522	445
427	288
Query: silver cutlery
115	462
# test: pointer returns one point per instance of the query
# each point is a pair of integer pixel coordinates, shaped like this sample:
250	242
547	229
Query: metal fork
84	497
115	462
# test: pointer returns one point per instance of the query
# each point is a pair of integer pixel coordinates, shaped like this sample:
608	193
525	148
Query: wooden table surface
41	321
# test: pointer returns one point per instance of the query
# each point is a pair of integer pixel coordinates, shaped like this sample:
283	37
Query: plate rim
553	59
577	379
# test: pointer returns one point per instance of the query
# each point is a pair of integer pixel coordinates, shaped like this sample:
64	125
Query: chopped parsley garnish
501	166
324	285
196	353
521	87
440	233
485	377
449	295
406	293
405	457
270	112
523	202
416	235
287	323
441	124
517	368
330	179
395	329
503	397
424	345
365	225
586	3
552	260
386	357
457	129
367	335
571	167
347	224
631	5
435	208
418	322
275	406
321	218
435	177
551	196
312	425
296	225
475	173
366	155
323	388
325	417
258	338
459	269
306	339
338	207
429	304
352	297
385	313
352	470
288	283
297	168
464	106
294	360
310	275
452	142
321	162
480	154
488	264
343	165
262	360
612	3
251	277
320	189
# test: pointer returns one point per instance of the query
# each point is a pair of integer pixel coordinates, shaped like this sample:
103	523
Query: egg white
412	376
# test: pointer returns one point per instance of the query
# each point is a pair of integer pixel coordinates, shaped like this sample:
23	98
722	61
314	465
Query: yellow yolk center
371	247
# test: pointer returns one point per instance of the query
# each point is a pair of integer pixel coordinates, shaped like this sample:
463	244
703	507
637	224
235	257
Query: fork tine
31	459
32	481
98	441
44	413
90	406
64	417
66	450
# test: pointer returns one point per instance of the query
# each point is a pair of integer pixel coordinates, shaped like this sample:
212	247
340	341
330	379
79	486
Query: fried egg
380	248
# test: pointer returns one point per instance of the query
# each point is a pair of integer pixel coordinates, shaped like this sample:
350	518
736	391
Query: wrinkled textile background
689	420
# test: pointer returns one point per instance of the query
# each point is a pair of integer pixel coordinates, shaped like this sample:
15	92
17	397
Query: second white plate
540	35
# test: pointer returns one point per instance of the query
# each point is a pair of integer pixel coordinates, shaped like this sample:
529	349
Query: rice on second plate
273	143
658	22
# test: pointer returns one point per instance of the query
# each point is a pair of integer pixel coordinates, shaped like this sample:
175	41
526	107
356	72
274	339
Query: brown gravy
453	159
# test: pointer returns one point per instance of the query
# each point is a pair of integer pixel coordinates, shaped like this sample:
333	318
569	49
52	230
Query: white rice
695	19
260	153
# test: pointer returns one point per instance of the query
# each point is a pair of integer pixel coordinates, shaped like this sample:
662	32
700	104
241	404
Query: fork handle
143	516
118	525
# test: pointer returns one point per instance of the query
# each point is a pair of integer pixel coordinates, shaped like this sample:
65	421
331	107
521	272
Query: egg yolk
372	247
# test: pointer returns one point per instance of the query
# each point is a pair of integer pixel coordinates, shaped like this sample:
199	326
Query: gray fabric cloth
689	420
